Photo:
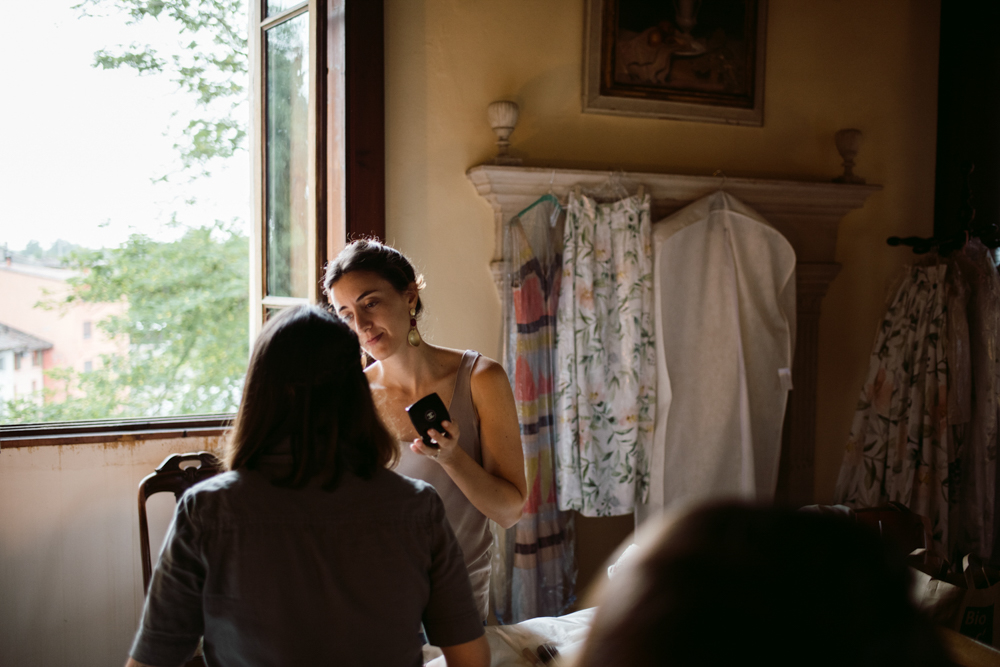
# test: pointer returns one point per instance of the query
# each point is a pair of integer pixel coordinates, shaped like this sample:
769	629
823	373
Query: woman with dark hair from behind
309	551
732	584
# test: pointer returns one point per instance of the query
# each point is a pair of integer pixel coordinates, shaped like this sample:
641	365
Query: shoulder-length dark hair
306	387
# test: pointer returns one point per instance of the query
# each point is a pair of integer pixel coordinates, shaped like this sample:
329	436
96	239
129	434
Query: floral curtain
606	382
534	571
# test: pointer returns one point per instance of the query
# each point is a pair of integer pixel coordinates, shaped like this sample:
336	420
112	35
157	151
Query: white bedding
567	633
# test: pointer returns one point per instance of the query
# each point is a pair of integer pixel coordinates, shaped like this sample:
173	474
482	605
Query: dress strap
462	399
462	409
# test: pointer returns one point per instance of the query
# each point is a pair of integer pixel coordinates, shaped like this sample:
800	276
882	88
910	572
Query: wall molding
98	431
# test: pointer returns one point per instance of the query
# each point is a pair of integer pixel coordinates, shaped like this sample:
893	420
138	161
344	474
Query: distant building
71	330
22	358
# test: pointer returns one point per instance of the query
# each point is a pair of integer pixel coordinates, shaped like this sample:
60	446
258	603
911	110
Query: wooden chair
896	523
171	476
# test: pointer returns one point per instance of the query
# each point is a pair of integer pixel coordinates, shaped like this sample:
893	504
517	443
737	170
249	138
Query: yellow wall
69	571
70	568
831	64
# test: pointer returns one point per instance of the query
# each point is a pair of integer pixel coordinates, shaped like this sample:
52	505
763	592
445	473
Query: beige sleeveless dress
470	525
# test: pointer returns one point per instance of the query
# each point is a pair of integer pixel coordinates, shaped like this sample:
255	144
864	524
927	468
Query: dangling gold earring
413	337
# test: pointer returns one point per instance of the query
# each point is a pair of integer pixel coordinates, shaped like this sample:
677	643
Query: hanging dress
925	430
534	571
606	384
900	444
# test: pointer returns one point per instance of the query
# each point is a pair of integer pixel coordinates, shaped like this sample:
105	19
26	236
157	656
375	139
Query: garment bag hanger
717	173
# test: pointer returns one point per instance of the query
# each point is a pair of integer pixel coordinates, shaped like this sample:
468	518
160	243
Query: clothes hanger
549	195
716	174
611	189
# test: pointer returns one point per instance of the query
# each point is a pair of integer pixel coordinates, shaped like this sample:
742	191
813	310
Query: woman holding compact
478	466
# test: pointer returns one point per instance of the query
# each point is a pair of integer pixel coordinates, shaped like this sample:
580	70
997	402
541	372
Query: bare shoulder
374	376
489	378
447	360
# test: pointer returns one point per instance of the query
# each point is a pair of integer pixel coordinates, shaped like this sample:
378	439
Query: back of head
731	583
306	395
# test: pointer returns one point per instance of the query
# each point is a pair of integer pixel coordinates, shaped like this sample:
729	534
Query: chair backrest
170	476
896	523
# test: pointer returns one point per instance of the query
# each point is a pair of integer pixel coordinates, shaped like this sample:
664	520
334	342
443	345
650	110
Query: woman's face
378	313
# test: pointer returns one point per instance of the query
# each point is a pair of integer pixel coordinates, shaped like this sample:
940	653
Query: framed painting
700	60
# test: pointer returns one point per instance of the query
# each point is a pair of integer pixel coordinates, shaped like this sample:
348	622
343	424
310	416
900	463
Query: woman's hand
447	442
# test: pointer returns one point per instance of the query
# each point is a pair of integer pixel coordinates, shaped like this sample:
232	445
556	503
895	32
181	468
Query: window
3	362
17	361
314	128
322	177
132	264
36	359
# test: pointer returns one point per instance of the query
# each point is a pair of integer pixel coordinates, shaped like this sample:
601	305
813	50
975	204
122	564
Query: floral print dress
606	383
926	427
899	444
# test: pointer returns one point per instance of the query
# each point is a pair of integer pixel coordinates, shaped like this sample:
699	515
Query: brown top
470	525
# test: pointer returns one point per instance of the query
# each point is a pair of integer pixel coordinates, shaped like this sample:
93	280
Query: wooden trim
336	185
318	126
258	141
113	430
365	117
272	21
282	301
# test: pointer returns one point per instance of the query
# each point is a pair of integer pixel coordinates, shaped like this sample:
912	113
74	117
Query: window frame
356	208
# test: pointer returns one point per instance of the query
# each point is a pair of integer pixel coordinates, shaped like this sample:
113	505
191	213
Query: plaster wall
831	64
70	574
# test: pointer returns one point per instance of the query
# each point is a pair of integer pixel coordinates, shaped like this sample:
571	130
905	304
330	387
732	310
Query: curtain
606	382
534	570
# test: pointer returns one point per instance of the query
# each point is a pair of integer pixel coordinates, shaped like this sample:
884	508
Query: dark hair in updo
380	259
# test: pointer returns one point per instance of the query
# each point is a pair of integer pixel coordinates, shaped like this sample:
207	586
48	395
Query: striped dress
534	570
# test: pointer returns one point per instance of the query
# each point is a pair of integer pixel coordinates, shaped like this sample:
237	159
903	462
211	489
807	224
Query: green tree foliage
184	326
57	253
287	138
210	63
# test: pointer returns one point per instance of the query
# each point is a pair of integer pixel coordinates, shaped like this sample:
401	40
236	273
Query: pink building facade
71	329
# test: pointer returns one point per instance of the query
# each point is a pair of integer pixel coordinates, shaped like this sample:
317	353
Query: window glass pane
287	190
275	7
127	295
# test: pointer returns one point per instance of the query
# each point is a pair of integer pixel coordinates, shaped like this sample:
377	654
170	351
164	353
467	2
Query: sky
81	146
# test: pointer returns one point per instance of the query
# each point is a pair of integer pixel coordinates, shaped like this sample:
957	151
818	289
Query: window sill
112	430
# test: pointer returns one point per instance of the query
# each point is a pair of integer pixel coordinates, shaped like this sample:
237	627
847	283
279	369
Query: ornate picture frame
698	60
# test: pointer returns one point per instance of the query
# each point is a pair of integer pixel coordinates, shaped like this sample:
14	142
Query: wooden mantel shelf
808	213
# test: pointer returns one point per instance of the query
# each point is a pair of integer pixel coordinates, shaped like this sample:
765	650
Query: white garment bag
724	293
